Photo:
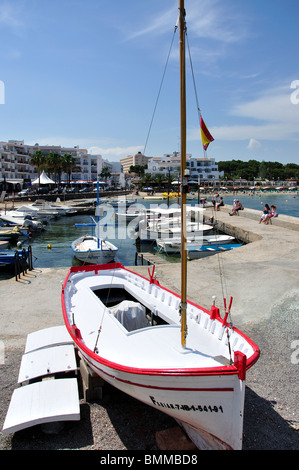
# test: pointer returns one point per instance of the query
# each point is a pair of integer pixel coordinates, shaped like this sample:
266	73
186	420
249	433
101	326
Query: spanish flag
205	135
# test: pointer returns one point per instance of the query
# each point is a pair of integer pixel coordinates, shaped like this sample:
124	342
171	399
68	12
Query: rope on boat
160	88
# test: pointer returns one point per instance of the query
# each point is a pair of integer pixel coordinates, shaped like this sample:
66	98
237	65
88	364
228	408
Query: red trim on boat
179	389
222	370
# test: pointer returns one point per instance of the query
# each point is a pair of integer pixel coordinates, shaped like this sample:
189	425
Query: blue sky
88	72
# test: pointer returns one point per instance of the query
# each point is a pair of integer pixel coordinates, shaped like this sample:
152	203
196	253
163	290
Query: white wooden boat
173	245
161	223
133	333
157	230
91	250
106	310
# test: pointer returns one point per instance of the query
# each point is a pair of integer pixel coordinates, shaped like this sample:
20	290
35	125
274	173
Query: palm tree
159	179
69	164
38	160
54	164
105	173
147	179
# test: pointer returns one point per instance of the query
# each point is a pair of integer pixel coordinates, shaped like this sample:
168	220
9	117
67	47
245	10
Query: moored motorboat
196	252
173	245
22	220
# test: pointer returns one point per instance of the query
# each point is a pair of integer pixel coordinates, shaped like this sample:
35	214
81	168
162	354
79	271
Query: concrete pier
262	276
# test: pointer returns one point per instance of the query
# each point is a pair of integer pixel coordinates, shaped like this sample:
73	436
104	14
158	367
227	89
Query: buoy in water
49	246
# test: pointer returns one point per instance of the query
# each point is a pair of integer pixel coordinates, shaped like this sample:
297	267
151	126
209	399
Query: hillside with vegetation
234	169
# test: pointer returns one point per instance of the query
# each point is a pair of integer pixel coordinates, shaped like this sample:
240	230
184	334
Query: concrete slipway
263	278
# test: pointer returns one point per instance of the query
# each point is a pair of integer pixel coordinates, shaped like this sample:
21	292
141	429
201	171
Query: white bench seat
47	361
42	402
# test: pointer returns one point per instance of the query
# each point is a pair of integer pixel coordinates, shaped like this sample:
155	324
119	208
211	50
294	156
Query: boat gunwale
208	371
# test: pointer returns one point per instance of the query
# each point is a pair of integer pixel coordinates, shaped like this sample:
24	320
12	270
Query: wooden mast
184	185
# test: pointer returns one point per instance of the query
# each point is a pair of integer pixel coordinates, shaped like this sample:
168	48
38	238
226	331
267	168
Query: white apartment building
15	166
201	169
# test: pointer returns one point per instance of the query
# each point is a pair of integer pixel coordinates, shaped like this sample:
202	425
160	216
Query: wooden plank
47	337
47	361
42	402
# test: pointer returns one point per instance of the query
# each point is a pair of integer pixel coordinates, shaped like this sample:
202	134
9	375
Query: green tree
54	164
69	164
105	173
159	179
146	180
38	160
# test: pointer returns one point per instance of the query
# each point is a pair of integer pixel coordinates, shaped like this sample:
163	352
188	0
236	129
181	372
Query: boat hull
210	408
207	400
85	250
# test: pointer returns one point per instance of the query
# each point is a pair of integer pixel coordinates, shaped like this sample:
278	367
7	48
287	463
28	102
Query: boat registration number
201	408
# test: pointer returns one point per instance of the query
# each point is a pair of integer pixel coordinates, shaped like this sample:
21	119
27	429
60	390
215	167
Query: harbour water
52	247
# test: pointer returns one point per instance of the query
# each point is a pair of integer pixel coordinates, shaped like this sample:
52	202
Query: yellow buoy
49	246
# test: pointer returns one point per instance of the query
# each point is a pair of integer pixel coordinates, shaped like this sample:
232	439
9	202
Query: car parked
24	192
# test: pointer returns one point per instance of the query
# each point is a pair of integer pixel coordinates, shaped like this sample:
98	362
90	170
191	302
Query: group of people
237	206
268	213
217	204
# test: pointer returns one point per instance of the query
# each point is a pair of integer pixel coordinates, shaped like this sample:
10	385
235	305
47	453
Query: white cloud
117	152
205	19
10	16
271	116
253	144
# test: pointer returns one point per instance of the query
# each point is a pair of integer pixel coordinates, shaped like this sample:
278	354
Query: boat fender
76	332
214	313
240	363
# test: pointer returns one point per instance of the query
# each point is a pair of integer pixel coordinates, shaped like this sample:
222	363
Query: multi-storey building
16	168
200	169
132	160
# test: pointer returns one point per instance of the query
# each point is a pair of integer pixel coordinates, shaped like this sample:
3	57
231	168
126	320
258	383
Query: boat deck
119	345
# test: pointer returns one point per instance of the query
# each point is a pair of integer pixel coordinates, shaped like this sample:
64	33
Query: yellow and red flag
205	134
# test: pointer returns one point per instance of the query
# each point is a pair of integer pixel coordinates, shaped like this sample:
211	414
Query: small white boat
160	223
55	208
156	230
91	250
173	245
128	330
22	220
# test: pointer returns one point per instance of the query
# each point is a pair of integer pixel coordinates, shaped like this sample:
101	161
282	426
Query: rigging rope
161	84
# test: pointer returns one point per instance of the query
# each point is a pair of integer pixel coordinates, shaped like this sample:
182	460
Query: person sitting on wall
266	211
237	206
272	213
220	203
